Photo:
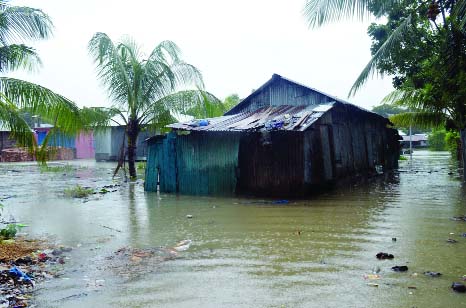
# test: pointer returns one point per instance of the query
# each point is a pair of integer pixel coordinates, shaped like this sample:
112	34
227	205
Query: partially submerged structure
109	141
285	139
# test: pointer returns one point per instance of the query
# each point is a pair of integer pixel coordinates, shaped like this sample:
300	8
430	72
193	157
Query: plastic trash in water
203	122
19	274
280	202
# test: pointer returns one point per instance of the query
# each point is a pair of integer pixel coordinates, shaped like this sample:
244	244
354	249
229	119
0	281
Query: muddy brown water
248	252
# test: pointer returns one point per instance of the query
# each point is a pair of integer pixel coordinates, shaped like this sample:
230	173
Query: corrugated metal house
285	139
108	142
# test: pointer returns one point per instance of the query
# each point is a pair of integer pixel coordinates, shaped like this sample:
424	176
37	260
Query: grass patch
141	165
58	169
78	192
403	157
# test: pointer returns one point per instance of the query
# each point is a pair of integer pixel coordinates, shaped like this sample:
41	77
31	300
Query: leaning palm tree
19	25
145	91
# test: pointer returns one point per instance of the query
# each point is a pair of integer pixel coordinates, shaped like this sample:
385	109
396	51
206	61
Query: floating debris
433	274
452	241
400	268
384	255
458	287
182	245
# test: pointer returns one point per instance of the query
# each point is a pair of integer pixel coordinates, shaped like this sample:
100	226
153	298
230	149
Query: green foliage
141	165
17	25
10	231
453	141
387	110
437	140
231	101
402	157
421	44
78	192
148	91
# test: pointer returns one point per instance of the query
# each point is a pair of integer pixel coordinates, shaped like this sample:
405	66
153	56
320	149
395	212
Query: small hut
285	139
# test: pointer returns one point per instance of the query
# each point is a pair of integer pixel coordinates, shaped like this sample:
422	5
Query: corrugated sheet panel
207	165
161	165
272	164
284	118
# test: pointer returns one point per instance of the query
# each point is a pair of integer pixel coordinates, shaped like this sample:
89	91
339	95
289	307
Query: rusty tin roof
289	118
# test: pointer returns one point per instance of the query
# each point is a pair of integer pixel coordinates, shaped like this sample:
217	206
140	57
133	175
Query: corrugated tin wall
282	92
207	163
271	164
161	165
195	164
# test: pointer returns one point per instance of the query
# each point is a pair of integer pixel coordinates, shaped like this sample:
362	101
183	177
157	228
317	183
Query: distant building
418	141
108	142
285	139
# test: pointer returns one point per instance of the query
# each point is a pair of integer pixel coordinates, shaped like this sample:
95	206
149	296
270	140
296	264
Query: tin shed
285	139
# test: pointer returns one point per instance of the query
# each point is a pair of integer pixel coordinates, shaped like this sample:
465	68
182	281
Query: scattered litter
17	273
393	239
412	287
384	255
452	241
458	287
22	266
459	218
400	268
189	216
373	284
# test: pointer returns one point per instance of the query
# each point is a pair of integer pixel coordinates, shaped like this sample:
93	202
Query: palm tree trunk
463	150
132	132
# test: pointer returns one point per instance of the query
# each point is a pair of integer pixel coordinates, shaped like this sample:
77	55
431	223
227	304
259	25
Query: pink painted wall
85	145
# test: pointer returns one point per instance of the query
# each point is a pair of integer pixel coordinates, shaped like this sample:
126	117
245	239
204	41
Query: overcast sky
237	45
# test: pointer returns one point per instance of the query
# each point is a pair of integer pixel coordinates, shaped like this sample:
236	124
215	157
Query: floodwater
249	252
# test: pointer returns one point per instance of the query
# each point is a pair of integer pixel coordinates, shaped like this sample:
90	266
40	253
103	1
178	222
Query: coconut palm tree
19	25
145	91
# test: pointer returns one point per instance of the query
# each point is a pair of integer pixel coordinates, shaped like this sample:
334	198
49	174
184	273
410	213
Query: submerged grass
58	168
78	192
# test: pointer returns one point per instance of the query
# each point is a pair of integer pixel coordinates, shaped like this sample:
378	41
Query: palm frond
23	23
321	12
188	102
13	57
393	41
41	101
111	67
11	118
419	119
